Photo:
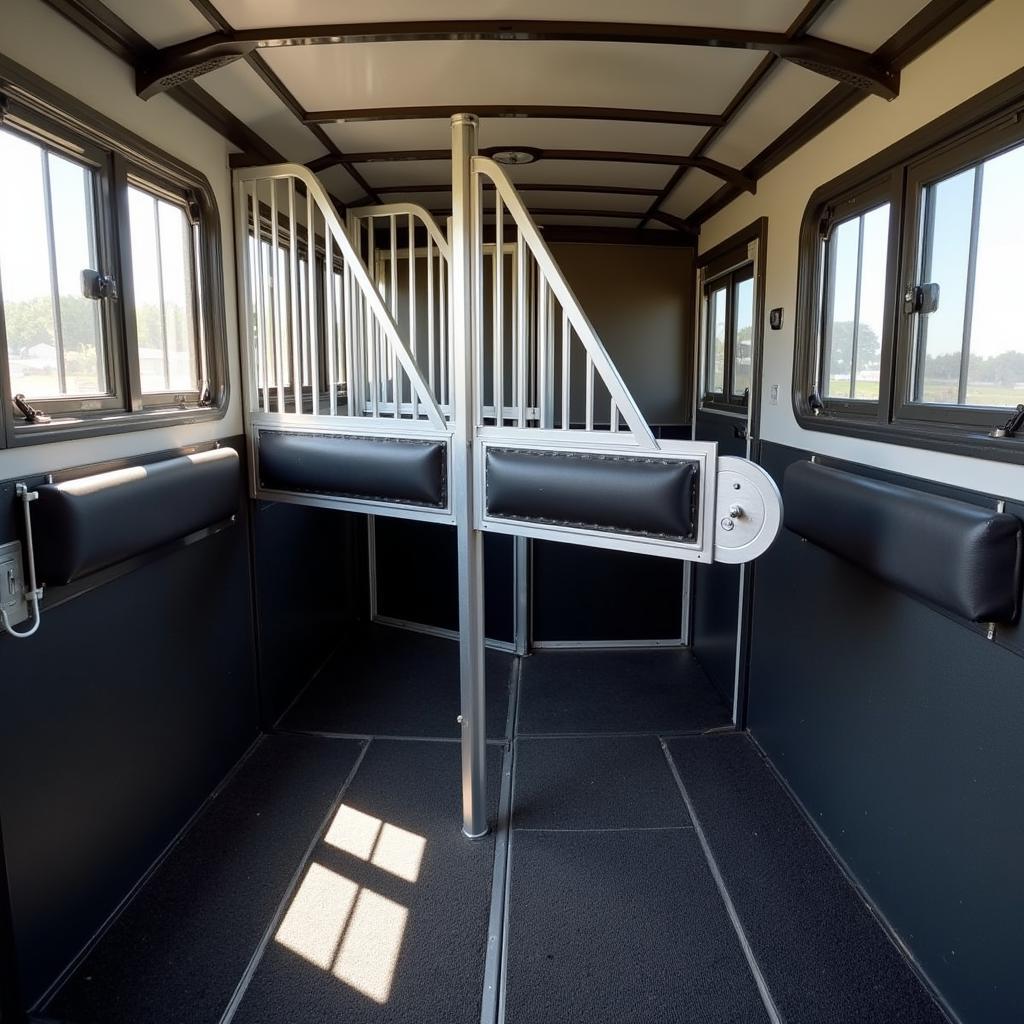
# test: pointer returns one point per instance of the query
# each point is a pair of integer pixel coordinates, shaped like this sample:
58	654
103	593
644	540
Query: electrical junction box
12	584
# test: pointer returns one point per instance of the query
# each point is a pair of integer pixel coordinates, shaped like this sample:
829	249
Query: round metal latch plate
748	511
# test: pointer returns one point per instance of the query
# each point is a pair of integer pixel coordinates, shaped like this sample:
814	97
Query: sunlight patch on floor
386	846
369	949
348	929
315	922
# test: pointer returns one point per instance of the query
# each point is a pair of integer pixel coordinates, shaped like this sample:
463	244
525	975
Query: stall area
511	513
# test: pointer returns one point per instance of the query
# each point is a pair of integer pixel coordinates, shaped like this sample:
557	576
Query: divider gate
394	370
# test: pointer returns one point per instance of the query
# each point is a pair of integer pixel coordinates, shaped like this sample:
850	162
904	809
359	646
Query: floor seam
365	736
655	733
774	1015
497	928
254	961
624	828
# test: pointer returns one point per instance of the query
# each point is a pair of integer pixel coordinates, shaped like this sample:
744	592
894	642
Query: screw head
727	524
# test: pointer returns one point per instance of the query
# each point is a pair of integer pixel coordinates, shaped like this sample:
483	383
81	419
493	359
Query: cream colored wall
983	50
41	40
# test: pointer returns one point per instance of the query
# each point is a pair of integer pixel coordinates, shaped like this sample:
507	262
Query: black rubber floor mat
607	927
595	782
394	682
179	949
389	922
824	956
617	691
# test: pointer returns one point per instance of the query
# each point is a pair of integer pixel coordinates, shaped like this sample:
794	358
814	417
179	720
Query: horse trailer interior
511	512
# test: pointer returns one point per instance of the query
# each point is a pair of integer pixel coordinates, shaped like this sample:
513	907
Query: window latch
98	286
1012	425
816	404
31	415
921	298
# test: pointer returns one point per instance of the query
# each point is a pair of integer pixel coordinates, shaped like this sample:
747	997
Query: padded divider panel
627	494
87	524
382	469
962	557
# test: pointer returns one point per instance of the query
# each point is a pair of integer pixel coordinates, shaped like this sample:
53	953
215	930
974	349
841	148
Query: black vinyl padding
83	525
962	557
627	494
382	469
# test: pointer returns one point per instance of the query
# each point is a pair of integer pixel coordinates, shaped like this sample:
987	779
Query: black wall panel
583	593
116	721
716	588
899	728
310	584
417	576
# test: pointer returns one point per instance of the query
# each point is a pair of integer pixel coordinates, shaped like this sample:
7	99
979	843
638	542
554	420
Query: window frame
978	129
49	136
61	122
854	203
731	277
989	140
157	187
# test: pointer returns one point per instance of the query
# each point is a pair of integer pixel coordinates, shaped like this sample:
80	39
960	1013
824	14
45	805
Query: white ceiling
467	73
766	15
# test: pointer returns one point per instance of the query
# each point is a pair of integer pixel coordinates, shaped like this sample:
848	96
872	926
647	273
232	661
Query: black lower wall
716	587
309	588
582	593
899	729
418	576
116	720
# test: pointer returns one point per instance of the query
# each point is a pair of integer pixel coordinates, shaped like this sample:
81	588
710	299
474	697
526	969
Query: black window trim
961	136
727	271
25	97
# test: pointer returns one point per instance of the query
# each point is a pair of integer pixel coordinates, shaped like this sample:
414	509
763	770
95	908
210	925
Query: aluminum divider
466	270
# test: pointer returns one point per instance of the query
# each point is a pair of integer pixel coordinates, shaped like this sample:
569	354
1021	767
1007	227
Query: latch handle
921	298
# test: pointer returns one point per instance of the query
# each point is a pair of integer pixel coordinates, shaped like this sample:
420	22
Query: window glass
716	340
48	236
854	302
970	349
743	299
162	270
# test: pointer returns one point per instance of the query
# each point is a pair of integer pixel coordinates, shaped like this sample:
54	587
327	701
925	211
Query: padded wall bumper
959	556
84	525
634	494
400	470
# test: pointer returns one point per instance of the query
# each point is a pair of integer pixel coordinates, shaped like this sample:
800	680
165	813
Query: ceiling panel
390	136
538	132
164	23
588	222
694	187
585	74
762	14
786	94
585	201
549	172
428	200
865	24
341	184
249	98
408	172
591	172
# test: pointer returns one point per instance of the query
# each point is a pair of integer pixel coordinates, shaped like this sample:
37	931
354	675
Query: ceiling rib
803	21
932	23
196	56
283	93
617	190
515	110
120	39
713	167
